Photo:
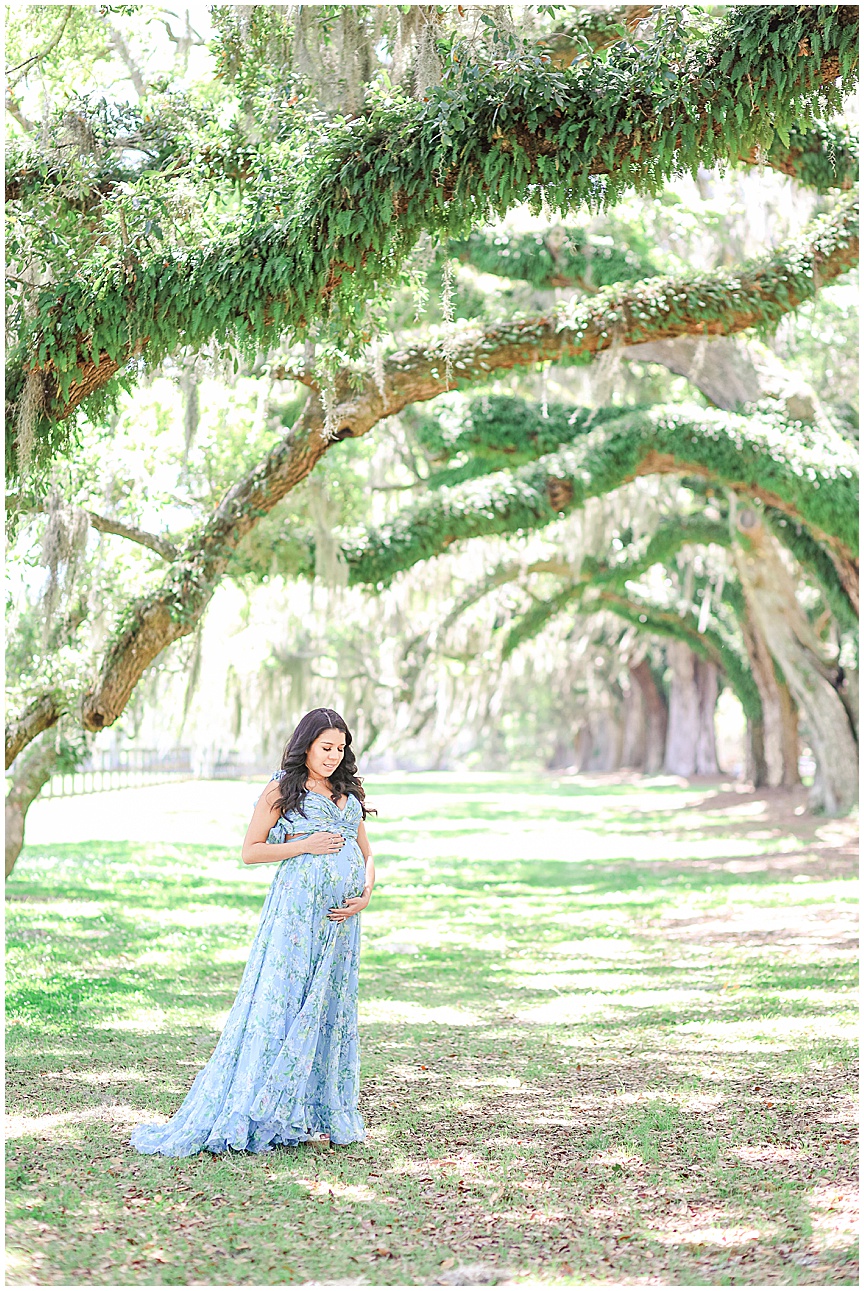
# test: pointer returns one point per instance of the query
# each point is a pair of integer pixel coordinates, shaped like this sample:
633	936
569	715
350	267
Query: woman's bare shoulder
271	793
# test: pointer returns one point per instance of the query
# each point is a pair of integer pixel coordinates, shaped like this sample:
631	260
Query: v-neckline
341	810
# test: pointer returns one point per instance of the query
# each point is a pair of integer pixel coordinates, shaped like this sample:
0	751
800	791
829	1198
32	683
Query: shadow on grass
633	1087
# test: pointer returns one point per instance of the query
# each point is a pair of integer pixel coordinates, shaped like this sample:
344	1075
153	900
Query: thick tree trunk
609	739
599	742
584	743
656	716
634	734
680	755
690	746
789	740
812	679
848	691
30	774
706	690
774	745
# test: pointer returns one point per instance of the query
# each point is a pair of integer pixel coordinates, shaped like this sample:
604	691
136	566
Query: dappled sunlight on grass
606	1030
419	1014
835	1213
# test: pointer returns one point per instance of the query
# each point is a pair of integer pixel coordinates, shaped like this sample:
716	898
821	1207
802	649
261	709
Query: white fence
129	769
132	768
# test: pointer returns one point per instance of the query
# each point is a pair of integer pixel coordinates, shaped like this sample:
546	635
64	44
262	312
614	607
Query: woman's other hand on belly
350	906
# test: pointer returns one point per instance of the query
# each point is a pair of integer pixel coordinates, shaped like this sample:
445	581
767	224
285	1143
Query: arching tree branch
604	587
442	166
718	303
163	547
757	457
37	717
758	292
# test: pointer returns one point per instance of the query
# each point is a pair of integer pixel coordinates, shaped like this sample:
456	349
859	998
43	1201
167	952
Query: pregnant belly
341	874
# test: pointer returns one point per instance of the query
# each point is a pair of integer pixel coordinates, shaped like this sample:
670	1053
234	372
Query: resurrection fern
501	430
810	475
558	257
754	294
313	244
821	156
818	564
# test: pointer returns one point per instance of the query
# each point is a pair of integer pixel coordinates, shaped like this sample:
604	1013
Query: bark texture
38	716
813	679
690	746
29	778
774	745
656	716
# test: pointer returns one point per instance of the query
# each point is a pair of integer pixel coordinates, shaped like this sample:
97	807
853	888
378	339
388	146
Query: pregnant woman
286	1068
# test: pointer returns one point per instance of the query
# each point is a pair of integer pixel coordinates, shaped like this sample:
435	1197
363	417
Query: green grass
607	1037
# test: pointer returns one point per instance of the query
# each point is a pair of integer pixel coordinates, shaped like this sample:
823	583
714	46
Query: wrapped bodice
319	813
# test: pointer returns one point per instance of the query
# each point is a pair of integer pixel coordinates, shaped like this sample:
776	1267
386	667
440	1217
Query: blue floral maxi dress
287	1065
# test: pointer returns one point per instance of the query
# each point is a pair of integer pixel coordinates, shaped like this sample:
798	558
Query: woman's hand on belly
324	843
350	906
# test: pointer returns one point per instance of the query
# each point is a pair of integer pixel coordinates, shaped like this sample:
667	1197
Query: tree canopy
525	226
312	243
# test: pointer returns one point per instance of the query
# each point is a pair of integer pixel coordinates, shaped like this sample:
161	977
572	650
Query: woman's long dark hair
344	780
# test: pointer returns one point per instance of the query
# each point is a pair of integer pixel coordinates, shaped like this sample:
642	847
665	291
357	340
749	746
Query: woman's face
326	752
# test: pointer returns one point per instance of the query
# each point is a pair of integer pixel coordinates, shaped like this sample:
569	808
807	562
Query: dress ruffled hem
344	1126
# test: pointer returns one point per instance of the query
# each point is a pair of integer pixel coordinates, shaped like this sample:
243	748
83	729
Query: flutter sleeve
283	828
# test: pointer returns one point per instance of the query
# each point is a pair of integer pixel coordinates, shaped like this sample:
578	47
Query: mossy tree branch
557	257
717	303
589	132
761	291
602	586
157	542
822	157
808	477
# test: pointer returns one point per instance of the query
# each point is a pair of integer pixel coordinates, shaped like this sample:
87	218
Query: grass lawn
607	1033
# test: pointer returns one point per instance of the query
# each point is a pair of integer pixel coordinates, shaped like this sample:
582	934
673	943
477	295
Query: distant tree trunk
599	742
789	738
813	681
610	741
690	745
599	739
30	773
773	747
706	690
634	732
656	716
561	755
584	742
